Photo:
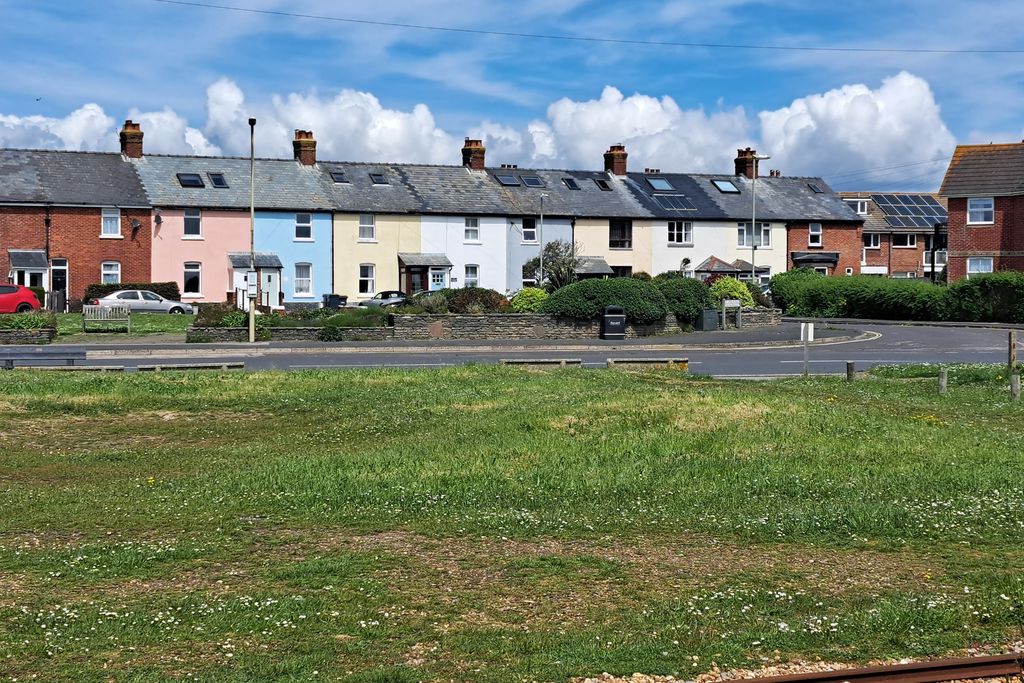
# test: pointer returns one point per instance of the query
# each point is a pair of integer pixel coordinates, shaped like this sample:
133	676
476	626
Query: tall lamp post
753	216
540	237
252	230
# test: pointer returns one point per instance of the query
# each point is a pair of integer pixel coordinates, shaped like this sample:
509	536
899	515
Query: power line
879	170
584	39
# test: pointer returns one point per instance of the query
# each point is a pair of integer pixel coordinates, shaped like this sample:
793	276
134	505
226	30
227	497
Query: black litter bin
613	323
334	301
707	320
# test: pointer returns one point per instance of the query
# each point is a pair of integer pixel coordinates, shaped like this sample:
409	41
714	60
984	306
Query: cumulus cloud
855	127
852	127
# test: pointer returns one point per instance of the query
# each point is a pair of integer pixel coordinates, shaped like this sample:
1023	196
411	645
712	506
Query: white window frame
475	280
680	233
988	214
860	206
299	224
876	240
849	271
185	270
911	240
197	214
308	291
110	217
821	269
532	231
115	270
367	228
471	231
989	268
812	234
370	280
765	236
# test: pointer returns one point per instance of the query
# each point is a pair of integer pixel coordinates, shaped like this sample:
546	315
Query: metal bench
46	356
118	313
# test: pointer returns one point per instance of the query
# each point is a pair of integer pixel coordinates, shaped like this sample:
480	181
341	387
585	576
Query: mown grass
69	324
494	524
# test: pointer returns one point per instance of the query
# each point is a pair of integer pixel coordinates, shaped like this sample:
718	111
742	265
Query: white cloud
852	127
855	127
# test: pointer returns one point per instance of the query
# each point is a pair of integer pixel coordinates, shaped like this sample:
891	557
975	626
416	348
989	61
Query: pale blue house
302	241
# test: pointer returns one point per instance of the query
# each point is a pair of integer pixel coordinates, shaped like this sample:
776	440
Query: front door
270	288
59	284
438	278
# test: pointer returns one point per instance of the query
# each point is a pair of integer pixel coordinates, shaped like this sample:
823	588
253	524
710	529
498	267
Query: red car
17	299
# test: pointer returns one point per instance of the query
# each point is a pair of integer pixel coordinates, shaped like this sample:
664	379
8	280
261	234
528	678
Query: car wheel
176	311
25	308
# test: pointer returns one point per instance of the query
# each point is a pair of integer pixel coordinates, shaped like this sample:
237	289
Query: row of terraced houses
69	219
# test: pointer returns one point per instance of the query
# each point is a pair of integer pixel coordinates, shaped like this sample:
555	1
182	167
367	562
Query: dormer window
191	180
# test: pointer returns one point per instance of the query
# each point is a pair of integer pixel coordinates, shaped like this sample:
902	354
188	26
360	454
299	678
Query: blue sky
411	95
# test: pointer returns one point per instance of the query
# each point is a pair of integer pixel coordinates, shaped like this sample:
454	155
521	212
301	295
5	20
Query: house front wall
775	256
843	238
221	232
276	233
519	251
709	239
393	235
1002	240
593	235
447	235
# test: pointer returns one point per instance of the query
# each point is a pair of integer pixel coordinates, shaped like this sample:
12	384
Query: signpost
807	336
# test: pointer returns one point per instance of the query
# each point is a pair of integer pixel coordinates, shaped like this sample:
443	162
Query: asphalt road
895	345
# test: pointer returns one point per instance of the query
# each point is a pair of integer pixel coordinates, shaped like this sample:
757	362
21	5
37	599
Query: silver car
143	301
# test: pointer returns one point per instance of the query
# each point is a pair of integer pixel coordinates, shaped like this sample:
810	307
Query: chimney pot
131	139
304	146
746	163
474	154
615	159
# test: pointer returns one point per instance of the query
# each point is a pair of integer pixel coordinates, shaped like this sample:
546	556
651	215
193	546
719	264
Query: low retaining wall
514	326
40	336
241	334
761	317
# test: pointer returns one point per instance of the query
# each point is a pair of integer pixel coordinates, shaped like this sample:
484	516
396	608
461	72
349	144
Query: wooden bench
46	356
118	313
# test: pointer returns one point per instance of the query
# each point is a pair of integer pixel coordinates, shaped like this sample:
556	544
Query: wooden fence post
1011	356
1015	387
943	381
851	370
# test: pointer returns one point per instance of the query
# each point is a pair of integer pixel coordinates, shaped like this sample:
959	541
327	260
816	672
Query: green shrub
585	300
168	290
28	321
784	286
686	297
731	288
994	297
212	315
476	300
761	299
427	302
366	316
864	296
641	275
528	300
40	295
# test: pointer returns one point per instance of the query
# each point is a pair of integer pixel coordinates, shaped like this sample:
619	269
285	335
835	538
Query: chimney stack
473	154
304	147
615	159
131	140
746	163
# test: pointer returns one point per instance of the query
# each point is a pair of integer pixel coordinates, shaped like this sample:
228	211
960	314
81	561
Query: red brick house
899	233
831	248
984	188
71	219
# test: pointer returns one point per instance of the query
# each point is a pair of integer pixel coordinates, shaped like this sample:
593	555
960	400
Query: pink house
181	255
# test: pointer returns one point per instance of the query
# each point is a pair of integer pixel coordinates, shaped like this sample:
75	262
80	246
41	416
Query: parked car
17	299
142	301
389	298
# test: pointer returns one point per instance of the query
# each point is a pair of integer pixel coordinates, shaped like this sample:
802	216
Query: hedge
476	300
586	300
40	294
785	286
168	290
991	298
686	297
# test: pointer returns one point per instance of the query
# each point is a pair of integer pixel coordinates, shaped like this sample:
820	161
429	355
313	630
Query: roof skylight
532	181
725	186
191	180
507	179
218	180
603	184
660	184
378	179
571	183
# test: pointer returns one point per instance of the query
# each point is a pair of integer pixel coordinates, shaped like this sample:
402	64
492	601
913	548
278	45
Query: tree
560	262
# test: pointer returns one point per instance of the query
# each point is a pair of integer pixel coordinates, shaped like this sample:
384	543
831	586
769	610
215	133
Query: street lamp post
753	217
540	237
252	228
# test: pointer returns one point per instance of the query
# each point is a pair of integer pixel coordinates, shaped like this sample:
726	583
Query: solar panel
532	181
910	210
895	221
675	202
877	199
660	184
506	179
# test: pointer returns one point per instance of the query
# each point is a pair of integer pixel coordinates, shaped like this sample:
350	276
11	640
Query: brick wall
843	238
40	336
75	235
1003	240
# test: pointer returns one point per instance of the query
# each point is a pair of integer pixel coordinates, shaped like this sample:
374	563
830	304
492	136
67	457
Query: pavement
758	352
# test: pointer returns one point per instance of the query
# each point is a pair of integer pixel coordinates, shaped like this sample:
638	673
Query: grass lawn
495	524
70	324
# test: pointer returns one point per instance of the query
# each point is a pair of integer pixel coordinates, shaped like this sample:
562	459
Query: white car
142	301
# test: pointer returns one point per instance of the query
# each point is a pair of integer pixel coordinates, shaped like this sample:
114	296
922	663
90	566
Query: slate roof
782	198
985	170
410	259
69	179
33	259
593	265
264	259
280	183
705	208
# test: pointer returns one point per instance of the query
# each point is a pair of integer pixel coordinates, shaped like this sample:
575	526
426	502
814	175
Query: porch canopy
424	260
264	259
593	266
814	258
27	259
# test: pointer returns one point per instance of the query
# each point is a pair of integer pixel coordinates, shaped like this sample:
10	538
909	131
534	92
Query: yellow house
366	248
625	244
